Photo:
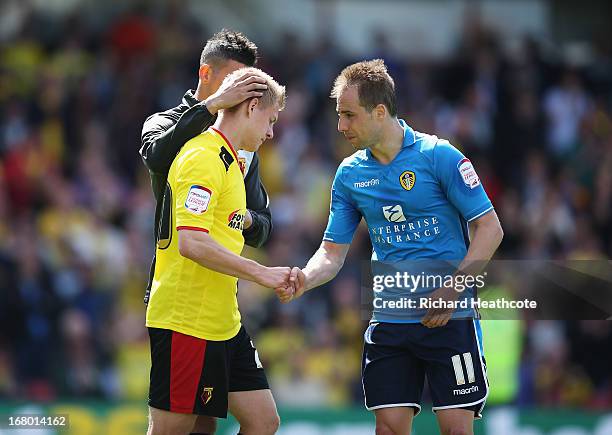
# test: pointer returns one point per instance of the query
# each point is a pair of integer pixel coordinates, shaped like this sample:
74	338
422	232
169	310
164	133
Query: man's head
225	52
365	100
255	117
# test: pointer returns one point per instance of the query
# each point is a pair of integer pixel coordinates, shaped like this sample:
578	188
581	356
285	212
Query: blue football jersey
417	207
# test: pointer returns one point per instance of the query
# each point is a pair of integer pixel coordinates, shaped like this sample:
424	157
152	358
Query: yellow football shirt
205	192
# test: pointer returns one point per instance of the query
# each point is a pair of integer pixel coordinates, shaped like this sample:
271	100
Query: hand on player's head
236	90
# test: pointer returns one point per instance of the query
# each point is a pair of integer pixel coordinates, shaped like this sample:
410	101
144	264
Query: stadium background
523	87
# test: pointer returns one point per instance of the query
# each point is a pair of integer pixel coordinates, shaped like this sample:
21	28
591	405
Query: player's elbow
498	232
188	246
150	163
491	227
185	246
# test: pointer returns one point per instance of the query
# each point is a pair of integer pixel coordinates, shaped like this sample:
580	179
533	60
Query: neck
390	142
200	93
228	125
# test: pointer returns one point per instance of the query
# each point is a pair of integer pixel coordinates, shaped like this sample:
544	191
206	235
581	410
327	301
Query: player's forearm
486	238
210	254
321	268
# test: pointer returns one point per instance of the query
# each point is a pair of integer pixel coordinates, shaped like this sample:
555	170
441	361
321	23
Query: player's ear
205	73
253	103
380	111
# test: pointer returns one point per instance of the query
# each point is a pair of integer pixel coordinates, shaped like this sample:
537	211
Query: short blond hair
374	84
274	94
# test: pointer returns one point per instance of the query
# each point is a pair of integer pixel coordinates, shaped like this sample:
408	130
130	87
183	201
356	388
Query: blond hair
274	94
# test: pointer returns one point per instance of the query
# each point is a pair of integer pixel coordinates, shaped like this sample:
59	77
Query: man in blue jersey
422	201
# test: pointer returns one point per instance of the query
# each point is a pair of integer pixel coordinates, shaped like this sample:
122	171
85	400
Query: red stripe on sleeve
186	363
192	229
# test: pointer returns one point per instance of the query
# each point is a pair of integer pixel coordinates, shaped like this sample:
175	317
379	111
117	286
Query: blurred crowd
76	207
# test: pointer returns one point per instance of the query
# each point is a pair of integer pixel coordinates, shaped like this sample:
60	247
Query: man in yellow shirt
203	360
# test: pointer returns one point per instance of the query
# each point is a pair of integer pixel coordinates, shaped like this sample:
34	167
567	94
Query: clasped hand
288	282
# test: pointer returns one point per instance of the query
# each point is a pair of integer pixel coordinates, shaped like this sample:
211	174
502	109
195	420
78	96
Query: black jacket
163	135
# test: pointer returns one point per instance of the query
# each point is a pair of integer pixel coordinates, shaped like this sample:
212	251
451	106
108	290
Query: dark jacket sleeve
258	204
163	135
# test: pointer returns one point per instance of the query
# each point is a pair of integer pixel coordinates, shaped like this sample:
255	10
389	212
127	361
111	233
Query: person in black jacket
164	134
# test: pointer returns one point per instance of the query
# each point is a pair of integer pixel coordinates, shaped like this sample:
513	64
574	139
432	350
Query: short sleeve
200	177
344	217
460	181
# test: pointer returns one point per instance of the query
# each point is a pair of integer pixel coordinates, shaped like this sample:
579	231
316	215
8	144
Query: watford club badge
407	179
207	394
242	164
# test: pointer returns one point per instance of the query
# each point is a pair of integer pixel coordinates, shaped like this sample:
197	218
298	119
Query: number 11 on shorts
469	367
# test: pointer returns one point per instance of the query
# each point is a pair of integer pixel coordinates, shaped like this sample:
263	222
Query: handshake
288	282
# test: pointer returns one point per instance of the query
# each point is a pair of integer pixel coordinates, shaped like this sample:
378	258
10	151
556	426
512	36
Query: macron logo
372	182
463	391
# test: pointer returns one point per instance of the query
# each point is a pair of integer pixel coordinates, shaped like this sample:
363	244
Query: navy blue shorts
397	356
